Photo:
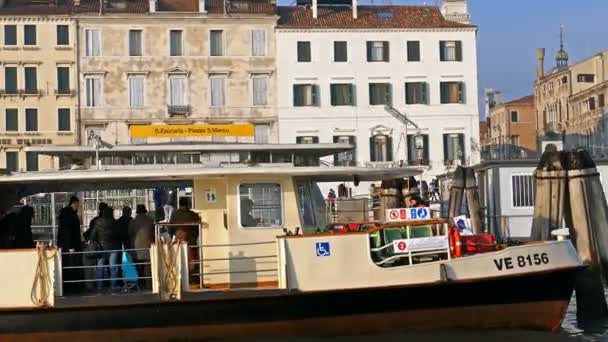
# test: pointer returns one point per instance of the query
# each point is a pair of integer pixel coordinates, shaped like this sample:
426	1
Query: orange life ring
455	243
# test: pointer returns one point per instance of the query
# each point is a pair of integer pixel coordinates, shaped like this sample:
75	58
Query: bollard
473	200
550	177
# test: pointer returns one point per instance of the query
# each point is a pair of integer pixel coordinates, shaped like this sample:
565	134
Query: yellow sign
177	131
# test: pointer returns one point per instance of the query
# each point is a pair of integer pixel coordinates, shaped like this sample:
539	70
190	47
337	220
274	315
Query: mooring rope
170	259
41	288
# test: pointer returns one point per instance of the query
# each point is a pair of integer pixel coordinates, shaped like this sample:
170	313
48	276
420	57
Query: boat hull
528	301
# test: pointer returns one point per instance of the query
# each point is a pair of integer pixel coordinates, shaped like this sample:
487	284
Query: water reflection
584	331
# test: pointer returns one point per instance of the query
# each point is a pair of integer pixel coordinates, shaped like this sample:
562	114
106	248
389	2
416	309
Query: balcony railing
178	110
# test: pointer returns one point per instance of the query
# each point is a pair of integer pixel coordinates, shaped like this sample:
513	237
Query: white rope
170	259
41	288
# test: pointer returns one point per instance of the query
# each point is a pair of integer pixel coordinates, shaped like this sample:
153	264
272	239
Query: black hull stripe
534	287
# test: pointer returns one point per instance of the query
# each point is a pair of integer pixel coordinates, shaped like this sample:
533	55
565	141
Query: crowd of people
105	242
16	228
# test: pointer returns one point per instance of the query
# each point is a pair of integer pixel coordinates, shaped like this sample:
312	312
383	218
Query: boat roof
27	183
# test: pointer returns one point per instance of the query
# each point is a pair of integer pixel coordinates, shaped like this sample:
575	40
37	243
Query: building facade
570	103
37	83
338	67
179	63
512	129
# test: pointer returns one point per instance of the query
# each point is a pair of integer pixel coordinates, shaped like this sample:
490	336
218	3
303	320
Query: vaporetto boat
284	277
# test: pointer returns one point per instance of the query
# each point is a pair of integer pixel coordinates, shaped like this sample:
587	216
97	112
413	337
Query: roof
67	7
522	101
367	17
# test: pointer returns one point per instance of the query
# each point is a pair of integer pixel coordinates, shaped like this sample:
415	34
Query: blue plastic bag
129	271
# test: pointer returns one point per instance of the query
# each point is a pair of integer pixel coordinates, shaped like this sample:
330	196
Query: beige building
570	103
512	129
178	62
37	89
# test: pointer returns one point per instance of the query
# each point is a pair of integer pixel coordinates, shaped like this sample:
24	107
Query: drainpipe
78	104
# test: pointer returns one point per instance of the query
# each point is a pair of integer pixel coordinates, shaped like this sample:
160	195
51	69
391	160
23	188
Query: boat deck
102	300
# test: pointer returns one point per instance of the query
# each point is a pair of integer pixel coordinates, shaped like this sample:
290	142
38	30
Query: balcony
30	92
178	110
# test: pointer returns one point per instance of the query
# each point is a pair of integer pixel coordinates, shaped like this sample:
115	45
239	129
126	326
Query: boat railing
124	268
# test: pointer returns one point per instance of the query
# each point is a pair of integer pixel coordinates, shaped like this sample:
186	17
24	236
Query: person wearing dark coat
141	234
8	226
23	231
100	208
87	260
122	227
68	239
104	233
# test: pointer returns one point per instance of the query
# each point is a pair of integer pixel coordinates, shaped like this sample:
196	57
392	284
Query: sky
511	30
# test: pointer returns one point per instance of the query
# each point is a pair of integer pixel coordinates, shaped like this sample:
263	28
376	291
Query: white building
338	66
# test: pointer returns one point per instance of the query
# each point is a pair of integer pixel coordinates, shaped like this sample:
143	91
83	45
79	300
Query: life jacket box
478	243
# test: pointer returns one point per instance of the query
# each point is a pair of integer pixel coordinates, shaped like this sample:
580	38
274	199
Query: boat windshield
311	206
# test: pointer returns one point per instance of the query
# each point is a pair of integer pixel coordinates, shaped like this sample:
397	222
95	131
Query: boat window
260	205
311	206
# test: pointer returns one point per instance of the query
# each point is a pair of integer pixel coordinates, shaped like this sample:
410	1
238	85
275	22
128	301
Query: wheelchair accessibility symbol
322	249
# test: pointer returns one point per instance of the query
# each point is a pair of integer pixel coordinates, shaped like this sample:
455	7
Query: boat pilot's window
260	205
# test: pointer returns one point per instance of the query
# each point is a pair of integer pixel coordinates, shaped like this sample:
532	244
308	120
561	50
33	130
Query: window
261	134
216	42
175	43
92	43
377	52
381	148
11	120
63	80
307	140
565	80
585	78
63	119
514	116
31	80
304	54
93	91
29	35
136	91
590	102
63	35
258	43
12	161
260	90
260	205
216	86
515	140
10	80
380	94
452	92
450	51
601	101
346	158
523	191
418	148
413	51
340	52
178	91
31	120
10	35
31	161
453	147
342	94
416	93
135	43
305	95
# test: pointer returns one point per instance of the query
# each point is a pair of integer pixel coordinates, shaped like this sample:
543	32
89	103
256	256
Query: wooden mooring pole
568	190
465	184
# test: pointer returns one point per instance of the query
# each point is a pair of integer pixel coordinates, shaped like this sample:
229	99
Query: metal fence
124	269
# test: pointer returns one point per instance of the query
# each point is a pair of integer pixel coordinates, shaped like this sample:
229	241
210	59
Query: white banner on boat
420	244
402	214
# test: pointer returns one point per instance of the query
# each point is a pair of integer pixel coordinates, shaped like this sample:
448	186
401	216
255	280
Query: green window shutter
351	94
426	152
296	96
31	120
389	148
388	98
11	119
10	35
446	155
10	80
424	88
369	51
442	51
29	34
372	149
385	51
63	119
315	95
333	91
31	82
444	92
461	93
459	51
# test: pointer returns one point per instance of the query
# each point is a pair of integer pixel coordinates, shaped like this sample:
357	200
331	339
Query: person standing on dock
189	231
104	234
141	236
68	239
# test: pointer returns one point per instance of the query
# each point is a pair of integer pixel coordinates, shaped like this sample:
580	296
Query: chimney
354	4
455	10
201	6
314	9
152	6
540	63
